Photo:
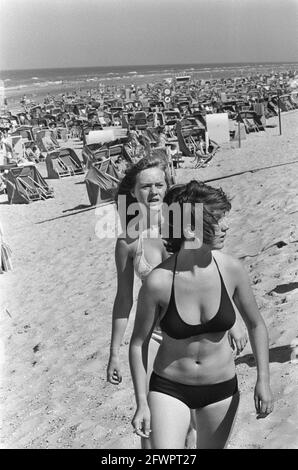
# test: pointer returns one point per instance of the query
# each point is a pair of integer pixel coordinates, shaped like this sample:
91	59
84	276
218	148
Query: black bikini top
173	325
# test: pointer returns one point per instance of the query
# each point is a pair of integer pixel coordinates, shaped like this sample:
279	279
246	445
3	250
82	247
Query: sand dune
55	310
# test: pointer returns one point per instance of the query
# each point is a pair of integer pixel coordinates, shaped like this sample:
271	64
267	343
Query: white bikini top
141	265
142	270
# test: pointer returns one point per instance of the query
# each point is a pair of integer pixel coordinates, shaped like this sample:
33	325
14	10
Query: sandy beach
56	304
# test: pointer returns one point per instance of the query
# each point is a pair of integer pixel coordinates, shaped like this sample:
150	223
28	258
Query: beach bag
6	264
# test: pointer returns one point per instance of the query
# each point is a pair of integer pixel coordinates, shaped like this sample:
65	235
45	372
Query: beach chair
140	119
25	185
100	184
62	133
271	110
192	144
285	103
202	155
116	150
62	168
25	132
69	160
33	191
62	163
103	165
183	144
251	121
109	168
128	152
250	125
151	136
116	170
99	155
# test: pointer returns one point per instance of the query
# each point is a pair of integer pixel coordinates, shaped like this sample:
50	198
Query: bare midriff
199	360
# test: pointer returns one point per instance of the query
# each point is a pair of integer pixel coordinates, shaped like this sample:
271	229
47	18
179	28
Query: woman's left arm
258	335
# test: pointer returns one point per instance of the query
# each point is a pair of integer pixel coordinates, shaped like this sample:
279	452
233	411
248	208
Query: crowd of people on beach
170	114
125	123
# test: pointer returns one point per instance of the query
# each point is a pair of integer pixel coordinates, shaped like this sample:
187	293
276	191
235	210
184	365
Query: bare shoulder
231	264
123	246
160	278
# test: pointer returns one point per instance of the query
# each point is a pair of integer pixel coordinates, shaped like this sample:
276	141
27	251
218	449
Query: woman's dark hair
195	192
128	182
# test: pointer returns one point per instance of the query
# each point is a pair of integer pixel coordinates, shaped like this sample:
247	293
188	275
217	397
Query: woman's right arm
146	317
122	306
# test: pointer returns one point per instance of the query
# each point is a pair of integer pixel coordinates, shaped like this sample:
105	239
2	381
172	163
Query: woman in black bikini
196	292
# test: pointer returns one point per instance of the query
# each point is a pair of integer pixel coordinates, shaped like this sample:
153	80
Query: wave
49	83
16	87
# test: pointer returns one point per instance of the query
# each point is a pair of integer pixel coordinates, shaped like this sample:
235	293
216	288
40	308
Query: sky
81	33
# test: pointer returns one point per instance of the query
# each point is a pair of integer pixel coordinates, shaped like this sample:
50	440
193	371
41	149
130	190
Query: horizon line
148	65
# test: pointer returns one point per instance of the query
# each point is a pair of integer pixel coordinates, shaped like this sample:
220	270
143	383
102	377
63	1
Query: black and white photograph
148	226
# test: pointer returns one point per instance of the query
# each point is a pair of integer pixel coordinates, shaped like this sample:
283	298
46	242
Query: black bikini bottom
194	396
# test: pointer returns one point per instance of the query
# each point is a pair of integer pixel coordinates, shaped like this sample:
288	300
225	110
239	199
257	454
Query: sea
35	82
